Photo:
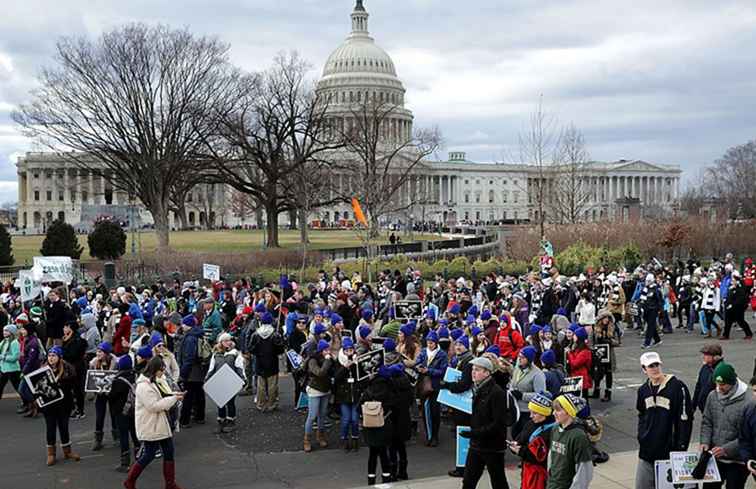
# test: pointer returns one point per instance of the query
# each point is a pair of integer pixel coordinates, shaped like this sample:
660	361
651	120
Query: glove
517	395
467	434
443	385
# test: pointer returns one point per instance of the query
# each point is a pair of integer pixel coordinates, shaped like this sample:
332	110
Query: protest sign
368	364
406	310
30	289
211	272
663	477
43	385
295	359
463	446
683	464
573	385
603	352
223	385
99	381
460	401
53	269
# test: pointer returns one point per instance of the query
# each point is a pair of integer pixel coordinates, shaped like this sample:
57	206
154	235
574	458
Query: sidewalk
617	473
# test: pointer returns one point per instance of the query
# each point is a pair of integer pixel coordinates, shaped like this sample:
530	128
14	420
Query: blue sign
463	445
452	375
302	402
460	402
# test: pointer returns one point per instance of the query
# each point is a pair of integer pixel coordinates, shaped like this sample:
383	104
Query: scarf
431	355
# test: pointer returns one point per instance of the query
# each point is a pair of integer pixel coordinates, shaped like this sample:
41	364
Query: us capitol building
49	187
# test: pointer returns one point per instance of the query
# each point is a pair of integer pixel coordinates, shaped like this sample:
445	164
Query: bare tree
539	144
380	161
242	205
570	192
277	130
733	178
135	107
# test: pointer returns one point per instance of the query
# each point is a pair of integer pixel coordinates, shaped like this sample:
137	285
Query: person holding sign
604	333
665	418
431	363
462	361
580	359
225	352
58	413
103	360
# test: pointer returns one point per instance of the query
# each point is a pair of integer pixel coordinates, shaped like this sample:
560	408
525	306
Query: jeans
101	406
228	411
350	418
149	449
317	407
56	421
126	428
432	415
194	400
652	336
13	377
709	316
477	461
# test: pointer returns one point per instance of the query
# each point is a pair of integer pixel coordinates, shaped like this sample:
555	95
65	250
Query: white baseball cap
649	358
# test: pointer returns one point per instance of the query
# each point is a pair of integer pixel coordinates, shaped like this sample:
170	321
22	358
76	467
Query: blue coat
437	368
190	365
747	437
724	287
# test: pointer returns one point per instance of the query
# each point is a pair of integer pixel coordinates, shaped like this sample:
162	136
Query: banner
463	446
358	214
53	269
30	289
211	272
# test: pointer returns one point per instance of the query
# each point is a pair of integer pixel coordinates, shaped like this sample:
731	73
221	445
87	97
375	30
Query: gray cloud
670	82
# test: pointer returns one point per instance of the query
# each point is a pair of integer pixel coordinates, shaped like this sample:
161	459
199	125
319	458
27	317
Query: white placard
223	385
211	272
30	289
683	464
663	473
55	268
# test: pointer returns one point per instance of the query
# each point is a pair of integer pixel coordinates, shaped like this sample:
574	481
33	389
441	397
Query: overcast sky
666	82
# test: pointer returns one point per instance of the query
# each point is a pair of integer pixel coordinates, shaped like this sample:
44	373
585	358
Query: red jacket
749	275
509	340
579	365
123	331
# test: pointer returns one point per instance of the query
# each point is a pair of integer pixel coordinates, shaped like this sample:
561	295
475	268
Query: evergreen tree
6	249
107	241
61	240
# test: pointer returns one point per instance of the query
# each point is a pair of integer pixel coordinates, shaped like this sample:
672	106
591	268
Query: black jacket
55	318
119	390
380	389
492	412
704	385
74	350
665	419
266	352
347	389
401	419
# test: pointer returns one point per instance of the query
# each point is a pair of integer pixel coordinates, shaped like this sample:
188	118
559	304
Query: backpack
204	350
128	406
372	414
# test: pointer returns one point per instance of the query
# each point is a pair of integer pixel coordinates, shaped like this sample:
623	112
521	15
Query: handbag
425	387
372	414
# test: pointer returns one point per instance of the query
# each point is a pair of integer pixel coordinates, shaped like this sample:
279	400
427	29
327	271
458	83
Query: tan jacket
151	411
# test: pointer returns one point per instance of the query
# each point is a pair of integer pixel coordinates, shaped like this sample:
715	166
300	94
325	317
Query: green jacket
10	353
212	326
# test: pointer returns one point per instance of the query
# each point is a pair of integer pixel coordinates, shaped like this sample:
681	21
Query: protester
10	354
121	403
604	333
74	353
580	360
225	353
192	374
431	363
570	463
319	370
103	360
266	345
347	395
532	444
378	432
527	381
712	356
57	414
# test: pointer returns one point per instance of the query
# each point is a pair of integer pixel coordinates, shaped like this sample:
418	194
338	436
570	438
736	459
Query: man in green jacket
212	325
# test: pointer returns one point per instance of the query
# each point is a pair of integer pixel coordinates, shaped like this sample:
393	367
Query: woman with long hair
10	353
31	360
103	360
153	401
319	368
57	414
580	359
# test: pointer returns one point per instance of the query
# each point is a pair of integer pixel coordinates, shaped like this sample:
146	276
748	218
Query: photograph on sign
463	446
99	381
44	387
683	464
406	310
663	477
369	363
210	272
603	352
223	385
295	359
572	385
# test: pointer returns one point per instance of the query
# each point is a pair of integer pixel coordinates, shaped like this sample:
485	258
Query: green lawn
26	247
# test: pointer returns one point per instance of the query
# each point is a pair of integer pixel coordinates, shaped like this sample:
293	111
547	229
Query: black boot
386	478
401	474
607	395
457	472
97	445
596	393
371	480
125	462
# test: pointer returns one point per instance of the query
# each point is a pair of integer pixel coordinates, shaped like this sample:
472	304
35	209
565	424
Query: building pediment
639	166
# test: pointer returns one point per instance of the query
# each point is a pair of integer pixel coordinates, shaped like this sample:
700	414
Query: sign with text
460	401
573	385
463	446
683	464
211	272
54	268
406	310
30	289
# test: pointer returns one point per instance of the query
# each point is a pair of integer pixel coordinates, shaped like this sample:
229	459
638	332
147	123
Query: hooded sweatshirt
665	418
723	418
90	333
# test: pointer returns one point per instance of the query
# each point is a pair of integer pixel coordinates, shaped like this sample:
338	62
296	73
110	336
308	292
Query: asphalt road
265	451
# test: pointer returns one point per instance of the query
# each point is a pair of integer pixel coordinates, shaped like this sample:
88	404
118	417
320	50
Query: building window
491	197
84	196
48	175
36	195
61	195
467	182
490	182
49	195
515	216
109	196
477	197
36	174
467	197
504	215
346	214
467	216
73	195
514	182
505	182
477	182
477	216
516	196
505	196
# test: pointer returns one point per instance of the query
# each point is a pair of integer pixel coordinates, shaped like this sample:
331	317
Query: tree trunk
183	221
304	235
293	219
159	213
259	217
271	213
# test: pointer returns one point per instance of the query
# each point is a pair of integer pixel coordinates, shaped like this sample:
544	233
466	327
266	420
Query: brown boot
307	446
50	456
322	442
69	455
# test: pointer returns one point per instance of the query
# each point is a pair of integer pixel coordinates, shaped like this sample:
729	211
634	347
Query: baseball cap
483	363
649	358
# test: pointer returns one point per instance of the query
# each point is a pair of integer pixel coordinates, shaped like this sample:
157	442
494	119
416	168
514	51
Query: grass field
26	247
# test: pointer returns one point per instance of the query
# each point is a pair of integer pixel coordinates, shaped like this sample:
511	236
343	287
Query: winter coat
529	381
212	326
30	360
55	314
151	411
319	373
122	331
119	390
509	342
232	358
266	346
190	364
401	418
380	389
10	353
747	435
74	350
66	380
586	313
606	335
492	411
616	303
554	380
171	365
579	363
665	419
723	418
346	388
704	385
437	368
534	442
90	333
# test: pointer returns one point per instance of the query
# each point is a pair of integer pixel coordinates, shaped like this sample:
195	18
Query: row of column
650	190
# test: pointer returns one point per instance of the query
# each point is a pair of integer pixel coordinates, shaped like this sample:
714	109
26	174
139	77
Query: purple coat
30	360
522	317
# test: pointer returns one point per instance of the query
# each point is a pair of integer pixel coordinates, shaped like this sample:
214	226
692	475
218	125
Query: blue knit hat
367	314
389	345
319	329
528	352
323	345
408	329
485	315
475	331
430	314
156	339
385	372
470	321
189	320
105	347
124	362
145	352
335	319
464	341
473	311
456	333
494	349
534	330
432	336
138	322
548	358
347	343
455	309
581	334
260	307
57	350
443	333
364	332
266	318
547	329
574	327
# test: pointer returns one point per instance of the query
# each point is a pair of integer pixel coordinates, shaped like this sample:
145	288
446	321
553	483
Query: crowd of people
532	350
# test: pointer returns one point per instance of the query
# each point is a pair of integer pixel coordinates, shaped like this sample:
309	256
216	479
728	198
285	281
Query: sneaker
657	343
645	347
